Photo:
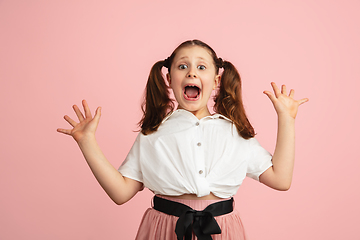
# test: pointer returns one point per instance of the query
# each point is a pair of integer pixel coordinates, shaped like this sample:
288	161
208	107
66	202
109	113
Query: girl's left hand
283	103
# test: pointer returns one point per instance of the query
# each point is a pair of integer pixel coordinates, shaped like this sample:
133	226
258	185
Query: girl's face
192	79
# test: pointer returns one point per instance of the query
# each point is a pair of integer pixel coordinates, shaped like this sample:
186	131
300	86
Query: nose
191	73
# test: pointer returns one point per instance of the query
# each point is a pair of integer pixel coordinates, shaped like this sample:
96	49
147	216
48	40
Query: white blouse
191	156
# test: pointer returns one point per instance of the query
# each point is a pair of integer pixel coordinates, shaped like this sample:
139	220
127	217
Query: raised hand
283	103
87	125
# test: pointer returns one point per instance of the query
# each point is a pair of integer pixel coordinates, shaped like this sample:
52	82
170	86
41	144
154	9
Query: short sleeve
131	167
259	160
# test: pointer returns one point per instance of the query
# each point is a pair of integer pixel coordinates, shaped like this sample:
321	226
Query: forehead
193	52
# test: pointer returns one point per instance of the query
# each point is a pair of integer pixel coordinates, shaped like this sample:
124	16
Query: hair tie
166	62
221	63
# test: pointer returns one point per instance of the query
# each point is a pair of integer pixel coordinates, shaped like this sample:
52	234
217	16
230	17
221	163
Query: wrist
286	117
85	139
286	121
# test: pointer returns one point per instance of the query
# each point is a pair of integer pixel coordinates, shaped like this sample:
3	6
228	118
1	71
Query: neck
199	113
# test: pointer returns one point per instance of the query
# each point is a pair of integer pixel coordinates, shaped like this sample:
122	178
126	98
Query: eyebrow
188	57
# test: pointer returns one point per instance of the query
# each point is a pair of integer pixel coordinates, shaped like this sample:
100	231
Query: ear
217	81
168	78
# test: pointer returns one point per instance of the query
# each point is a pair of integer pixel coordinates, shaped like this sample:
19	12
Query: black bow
202	222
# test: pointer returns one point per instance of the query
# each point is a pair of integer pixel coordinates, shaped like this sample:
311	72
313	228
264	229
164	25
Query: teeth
192	86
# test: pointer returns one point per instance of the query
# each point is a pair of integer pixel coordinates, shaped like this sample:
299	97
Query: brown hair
228	100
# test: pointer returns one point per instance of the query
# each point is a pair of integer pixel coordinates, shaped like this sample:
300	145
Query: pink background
53	54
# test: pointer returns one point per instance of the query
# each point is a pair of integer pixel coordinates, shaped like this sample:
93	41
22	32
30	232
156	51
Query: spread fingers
78	113
86	109
70	121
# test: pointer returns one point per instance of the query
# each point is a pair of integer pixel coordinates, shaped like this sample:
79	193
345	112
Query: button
201	172
199	144
197	123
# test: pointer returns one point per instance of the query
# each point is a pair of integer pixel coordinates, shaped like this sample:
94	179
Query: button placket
199	131
201	183
200	152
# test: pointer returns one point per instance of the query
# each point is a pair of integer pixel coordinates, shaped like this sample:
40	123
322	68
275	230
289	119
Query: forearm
114	184
120	189
279	176
284	154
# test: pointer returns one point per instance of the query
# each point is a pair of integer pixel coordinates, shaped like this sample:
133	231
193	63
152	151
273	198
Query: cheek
208	89
211	83
175	85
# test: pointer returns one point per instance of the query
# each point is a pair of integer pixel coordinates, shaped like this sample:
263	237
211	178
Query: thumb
304	100
97	114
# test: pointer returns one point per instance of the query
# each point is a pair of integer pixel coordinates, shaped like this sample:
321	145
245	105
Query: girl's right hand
87	125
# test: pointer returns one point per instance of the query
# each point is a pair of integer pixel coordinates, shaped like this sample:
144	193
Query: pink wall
55	53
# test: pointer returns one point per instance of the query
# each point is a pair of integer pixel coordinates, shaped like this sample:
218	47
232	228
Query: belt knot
202	222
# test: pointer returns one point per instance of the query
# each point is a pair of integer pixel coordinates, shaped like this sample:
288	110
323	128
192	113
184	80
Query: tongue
191	92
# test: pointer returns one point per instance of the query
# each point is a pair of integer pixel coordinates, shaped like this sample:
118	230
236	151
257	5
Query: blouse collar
184	112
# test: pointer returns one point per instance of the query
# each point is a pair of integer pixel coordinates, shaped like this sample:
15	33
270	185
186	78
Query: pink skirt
156	225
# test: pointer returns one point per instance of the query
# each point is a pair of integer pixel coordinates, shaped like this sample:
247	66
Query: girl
193	161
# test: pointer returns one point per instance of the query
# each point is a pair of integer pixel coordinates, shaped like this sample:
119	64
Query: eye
201	67
182	66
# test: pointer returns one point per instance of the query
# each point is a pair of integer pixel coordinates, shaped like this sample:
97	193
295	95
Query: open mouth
191	92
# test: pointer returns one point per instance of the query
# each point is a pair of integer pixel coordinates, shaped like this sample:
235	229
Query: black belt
202	222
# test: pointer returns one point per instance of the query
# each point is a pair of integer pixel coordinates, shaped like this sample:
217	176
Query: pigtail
157	103
228	100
